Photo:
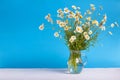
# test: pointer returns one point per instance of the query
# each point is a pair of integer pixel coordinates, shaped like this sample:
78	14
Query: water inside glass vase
76	62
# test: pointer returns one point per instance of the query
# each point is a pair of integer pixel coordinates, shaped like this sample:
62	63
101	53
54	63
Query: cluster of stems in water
74	60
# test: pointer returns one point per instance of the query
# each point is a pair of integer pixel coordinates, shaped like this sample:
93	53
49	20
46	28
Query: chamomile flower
85	33
103	28
92	7
90	32
89	12
66	28
87	37
71	15
88	18
95	22
60	15
80	16
59	10
79	29
56	34
78	8
66	10
48	18
74	7
72	39
62	24
112	25
41	27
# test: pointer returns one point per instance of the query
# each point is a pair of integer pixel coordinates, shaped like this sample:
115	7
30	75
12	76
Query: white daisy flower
74	7
72	39
71	15
60	15
87	37
88	18
89	12
112	25
48	18
78	8
90	32
103	28
66	28
92	5
95	22
59	11
56	34
93	8
79	29
41	27
85	33
62	24
66	10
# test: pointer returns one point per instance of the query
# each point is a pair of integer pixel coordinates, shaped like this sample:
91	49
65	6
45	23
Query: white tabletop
60	74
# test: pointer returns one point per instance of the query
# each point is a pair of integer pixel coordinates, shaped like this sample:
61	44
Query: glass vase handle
84	58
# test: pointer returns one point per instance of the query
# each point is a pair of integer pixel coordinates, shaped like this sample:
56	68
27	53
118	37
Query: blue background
22	45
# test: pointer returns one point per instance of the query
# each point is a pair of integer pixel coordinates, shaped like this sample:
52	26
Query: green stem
72	60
